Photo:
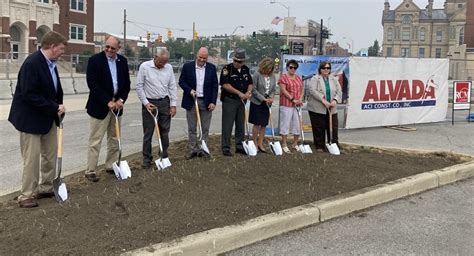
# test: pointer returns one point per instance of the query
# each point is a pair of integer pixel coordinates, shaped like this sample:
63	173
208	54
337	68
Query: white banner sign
397	91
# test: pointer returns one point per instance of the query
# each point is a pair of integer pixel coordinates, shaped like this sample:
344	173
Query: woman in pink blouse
291	96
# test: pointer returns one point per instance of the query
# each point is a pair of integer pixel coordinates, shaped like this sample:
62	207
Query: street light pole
232	36
352	44
288	18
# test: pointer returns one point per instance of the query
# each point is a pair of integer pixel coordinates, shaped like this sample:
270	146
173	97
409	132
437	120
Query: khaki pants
98	129
39	156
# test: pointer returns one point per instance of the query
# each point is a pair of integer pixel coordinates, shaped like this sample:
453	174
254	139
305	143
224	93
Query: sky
356	22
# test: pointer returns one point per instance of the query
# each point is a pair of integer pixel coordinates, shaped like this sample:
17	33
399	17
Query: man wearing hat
237	85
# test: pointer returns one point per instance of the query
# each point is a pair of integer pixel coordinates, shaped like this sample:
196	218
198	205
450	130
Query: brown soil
113	216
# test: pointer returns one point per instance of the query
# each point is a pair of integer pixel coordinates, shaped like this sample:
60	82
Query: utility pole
321	38
193	38
124	31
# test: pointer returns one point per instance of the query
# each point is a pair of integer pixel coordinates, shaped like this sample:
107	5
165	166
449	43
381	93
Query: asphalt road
437	222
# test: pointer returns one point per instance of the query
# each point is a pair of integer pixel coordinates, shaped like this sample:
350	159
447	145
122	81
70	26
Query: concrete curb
228	238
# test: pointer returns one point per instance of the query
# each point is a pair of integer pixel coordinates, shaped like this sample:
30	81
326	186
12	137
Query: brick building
411	31
23	23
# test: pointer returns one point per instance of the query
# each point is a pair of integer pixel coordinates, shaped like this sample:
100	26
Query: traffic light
325	34
148	35
195	36
169	34
275	35
254	34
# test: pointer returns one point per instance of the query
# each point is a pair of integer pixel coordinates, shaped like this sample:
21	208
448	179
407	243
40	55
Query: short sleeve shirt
293	86
240	80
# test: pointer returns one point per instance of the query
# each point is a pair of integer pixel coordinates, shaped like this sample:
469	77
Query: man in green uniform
237	85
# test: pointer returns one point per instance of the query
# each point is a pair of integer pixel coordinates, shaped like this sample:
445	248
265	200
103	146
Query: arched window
406	19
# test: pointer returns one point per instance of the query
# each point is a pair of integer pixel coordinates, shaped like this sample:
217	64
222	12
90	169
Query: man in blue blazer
108	80
198	79
35	110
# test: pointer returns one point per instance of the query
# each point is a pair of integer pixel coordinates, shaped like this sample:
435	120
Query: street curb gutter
228	238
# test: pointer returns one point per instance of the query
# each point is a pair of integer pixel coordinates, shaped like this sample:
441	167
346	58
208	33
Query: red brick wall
66	16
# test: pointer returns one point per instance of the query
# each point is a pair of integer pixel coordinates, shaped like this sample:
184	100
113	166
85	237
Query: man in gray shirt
156	89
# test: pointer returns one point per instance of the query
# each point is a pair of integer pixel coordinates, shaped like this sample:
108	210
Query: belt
201	97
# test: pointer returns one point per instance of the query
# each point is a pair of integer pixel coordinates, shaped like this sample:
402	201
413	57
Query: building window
406	20
460	6
439	35
406	34
390	34
438	53
77	5
421	52
461	36
389	52
77	32
405	52
422	34
43	1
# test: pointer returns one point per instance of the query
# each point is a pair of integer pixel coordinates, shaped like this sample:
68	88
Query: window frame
84	32
76	9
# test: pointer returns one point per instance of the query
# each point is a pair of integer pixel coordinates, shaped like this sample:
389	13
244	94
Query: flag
276	20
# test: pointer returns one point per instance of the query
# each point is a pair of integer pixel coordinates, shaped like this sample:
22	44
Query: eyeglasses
293	67
327	68
110	47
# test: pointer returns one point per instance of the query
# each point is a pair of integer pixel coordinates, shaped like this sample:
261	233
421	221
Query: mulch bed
114	216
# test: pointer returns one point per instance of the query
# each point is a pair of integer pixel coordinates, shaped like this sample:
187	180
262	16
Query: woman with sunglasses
324	94
291	96
262	98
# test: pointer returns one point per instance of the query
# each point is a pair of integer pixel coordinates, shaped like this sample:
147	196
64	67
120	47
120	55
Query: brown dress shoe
92	177
28	203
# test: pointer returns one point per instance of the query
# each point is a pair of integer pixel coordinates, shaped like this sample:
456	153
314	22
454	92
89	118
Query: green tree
128	51
264	45
144	53
374	50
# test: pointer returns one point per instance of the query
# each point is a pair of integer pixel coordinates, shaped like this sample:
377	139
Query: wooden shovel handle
60	142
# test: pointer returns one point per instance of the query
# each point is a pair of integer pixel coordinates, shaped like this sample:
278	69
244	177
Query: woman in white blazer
324	94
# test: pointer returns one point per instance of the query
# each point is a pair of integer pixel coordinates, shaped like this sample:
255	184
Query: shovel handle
60	142
198	116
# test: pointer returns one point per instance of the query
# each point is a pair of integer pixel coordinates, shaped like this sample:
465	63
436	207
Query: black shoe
92	177
42	195
240	151
191	155
110	171
226	153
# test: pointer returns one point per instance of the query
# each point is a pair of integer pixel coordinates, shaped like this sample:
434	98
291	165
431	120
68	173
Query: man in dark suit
35	110
198	79
108	80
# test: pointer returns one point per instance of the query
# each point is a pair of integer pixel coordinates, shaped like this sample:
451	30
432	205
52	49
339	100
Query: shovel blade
307	149
60	190
276	148
123	171
252	149
204	147
162	163
333	149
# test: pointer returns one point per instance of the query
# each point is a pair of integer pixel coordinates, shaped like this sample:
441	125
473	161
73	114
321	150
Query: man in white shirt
156	89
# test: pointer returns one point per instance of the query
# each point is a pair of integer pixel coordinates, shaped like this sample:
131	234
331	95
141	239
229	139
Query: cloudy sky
349	20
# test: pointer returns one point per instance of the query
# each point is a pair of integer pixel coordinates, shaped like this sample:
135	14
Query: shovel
59	187
304	148
249	146
332	147
121	169
198	116
275	146
161	163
